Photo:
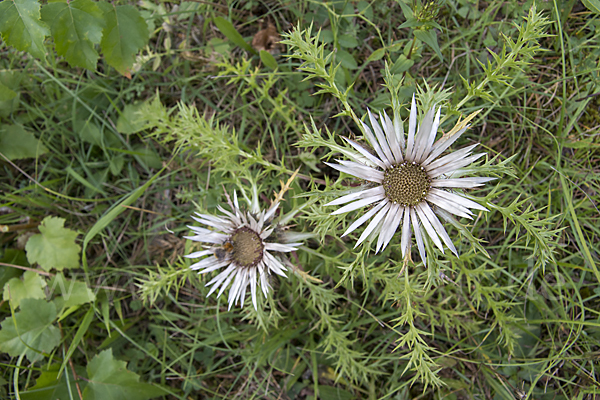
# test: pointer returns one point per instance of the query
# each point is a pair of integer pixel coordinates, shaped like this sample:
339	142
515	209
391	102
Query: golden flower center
247	247
406	184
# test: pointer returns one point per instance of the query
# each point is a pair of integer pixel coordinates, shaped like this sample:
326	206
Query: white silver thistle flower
241	245
412	184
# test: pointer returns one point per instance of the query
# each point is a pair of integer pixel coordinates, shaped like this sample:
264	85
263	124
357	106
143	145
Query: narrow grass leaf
113	213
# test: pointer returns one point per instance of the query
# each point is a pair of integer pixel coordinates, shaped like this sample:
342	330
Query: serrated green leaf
6	93
125	33
129	121
232	34
30	286
268	59
33	330
76	26
16	143
109	378
429	37
592	5
73	293
54	247
50	387
21	27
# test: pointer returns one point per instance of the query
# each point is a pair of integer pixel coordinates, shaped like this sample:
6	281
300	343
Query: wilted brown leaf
267	39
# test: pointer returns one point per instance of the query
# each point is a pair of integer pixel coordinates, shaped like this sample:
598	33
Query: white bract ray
410	184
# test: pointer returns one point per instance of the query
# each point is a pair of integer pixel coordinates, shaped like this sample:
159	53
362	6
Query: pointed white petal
390	134
422	136
439	228
449	206
412	127
282	247
215	238
360	171
456	155
432	134
218	280
405	241
457	199
243	288
453	166
253	286
365	153
373	141
266	233
358	204
271	211
417	230
442	144
381	139
200	253
373	224
464	183
274	265
365	217
428	227
399	129
264	283
207	263
378	190
390	226
234	292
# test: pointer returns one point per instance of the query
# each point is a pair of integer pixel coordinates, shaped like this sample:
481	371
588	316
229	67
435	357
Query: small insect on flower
246	246
408	183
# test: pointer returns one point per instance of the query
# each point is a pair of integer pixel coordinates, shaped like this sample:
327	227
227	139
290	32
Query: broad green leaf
33	330
232	34
73	293
76	27
54	247
6	93
21	27
268	59
376	55
109	378
16	143
592	5
125	33
31	286
129	121
50	387
429	37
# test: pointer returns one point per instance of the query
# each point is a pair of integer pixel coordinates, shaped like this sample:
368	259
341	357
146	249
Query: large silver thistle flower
247	247
410	184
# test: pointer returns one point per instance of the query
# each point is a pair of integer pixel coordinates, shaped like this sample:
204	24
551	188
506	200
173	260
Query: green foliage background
118	120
